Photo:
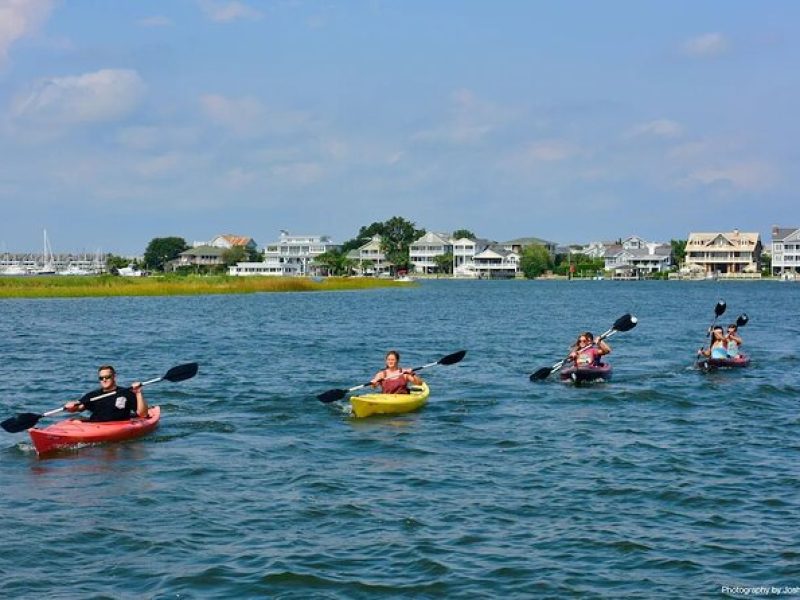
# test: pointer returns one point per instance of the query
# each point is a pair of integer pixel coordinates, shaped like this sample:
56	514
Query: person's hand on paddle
73	406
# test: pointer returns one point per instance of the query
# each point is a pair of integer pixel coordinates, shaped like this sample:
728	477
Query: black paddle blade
181	372
21	422
541	374
452	359
742	320
331	396
720	308
625	322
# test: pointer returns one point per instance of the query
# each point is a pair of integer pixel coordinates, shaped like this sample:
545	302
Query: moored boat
586	374
74	432
389	404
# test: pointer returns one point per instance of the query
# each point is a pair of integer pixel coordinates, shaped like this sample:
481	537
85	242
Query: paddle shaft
55	411
602	337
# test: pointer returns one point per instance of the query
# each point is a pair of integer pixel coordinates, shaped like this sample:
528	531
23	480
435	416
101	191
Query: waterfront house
228	241
370	258
464	252
495	262
198	256
785	252
517	245
727	254
422	253
295	254
271	266
636	257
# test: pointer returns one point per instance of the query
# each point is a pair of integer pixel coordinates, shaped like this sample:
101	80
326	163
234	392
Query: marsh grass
64	286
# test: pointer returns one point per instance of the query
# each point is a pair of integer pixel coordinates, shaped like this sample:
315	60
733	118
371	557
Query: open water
663	483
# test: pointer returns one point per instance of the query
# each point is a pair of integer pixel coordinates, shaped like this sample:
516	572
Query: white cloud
248	117
155	21
707	45
752	176
150	137
102	96
19	18
470	122
227	11
548	151
659	128
242	116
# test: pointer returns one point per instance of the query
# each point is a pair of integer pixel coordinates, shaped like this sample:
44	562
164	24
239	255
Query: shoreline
66	286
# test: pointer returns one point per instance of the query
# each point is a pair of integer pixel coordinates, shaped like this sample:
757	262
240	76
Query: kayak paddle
742	320
24	421
624	323
719	310
338	394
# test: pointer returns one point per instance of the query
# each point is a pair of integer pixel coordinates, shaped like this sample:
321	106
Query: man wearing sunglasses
117	403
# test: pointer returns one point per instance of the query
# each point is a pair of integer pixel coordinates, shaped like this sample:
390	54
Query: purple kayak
586	374
710	364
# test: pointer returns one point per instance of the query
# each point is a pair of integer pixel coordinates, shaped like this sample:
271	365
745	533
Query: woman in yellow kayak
394	379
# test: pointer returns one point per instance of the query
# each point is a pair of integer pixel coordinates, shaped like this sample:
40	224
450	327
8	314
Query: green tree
766	264
365	234
535	260
678	251
397	236
444	263
463	233
235	254
114	263
335	262
162	250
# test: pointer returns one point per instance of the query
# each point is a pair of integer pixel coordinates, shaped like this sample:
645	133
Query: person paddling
718	349
394	379
117	407
588	350
733	341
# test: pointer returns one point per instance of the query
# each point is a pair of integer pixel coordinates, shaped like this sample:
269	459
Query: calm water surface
665	482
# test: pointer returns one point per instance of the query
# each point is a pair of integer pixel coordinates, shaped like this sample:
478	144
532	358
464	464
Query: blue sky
571	121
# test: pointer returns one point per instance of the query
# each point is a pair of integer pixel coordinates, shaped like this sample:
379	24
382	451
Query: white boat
48	262
405	279
129	271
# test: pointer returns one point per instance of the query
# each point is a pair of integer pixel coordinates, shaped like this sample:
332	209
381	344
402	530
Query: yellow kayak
389	404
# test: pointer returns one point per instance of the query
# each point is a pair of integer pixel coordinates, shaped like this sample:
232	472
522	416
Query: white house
294	254
422	253
636	257
785	251
272	266
496	263
228	241
370	258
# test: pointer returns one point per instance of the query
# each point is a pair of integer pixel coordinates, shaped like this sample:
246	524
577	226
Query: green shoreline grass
65	286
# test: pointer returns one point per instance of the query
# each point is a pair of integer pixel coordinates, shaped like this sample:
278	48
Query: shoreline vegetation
65	286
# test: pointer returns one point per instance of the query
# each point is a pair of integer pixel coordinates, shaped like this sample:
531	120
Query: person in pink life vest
394	379
588	350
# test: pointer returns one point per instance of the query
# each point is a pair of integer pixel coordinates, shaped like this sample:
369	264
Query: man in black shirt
117	406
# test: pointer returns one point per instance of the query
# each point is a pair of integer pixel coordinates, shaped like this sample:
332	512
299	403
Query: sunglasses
105	377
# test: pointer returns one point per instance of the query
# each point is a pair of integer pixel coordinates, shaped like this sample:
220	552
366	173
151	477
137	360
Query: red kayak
587	374
710	364
73	432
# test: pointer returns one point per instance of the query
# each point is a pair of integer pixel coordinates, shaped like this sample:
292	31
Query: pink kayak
587	374
710	364
73	432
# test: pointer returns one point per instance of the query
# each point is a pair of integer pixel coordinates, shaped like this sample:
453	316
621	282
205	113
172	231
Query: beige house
730	254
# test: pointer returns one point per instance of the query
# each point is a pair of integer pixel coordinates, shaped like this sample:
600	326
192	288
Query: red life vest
394	385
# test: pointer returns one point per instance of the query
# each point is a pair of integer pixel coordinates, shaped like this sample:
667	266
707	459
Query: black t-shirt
113	408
